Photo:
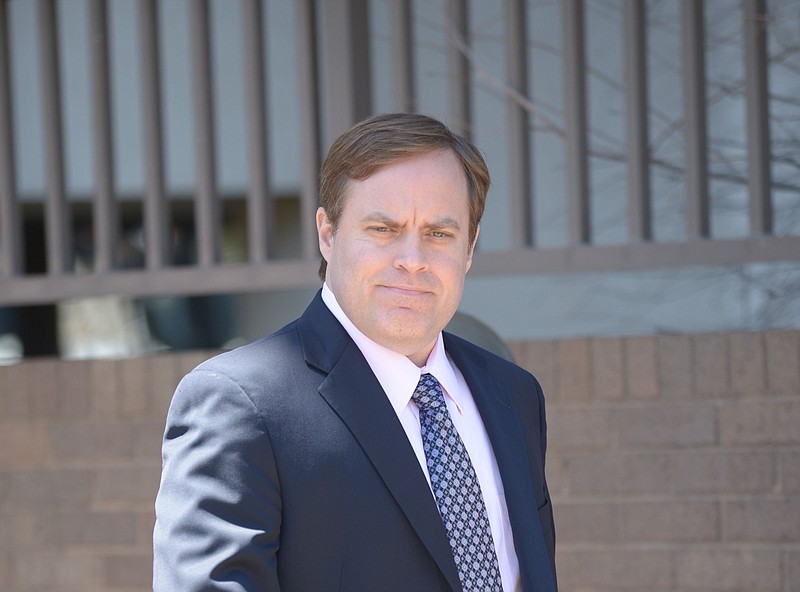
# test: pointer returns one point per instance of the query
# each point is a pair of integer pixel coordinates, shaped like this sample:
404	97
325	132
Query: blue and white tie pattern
457	491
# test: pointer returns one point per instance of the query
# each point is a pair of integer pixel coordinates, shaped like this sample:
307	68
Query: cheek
363	258
454	265
354	265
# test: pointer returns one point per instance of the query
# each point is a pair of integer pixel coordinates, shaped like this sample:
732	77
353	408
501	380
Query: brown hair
382	140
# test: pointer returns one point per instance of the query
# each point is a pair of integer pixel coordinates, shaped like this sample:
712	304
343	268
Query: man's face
398	257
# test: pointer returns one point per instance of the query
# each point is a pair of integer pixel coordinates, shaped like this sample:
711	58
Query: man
360	448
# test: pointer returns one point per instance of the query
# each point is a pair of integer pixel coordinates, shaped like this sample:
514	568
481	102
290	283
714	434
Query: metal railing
331	42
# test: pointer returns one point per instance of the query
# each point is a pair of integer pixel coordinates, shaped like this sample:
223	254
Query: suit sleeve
218	509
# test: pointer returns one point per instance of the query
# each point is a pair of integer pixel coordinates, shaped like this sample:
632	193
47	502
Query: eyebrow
438	223
445	222
378	217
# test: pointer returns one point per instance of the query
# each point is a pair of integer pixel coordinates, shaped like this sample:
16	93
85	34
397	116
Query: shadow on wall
469	328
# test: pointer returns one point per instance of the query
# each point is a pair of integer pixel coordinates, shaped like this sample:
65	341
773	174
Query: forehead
431	179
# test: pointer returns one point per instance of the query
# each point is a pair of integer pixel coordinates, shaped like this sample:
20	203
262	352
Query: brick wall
674	464
79	469
674	461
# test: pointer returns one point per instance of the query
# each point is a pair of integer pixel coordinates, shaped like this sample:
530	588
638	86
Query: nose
411	255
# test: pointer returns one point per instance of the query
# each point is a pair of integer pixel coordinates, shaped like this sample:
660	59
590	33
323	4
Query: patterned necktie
457	491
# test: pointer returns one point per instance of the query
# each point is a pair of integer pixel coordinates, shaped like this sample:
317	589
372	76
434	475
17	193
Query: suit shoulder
274	355
496	364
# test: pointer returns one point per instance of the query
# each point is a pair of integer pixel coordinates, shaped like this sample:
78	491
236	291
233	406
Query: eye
439	234
379	229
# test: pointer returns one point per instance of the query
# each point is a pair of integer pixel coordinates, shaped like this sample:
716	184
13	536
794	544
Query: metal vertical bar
308	92
156	228
259	214
10	223
519	148
694	104
105	221
758	132
637	144
458	91
57	219
403	56
346	64
206	201
361	56
576	122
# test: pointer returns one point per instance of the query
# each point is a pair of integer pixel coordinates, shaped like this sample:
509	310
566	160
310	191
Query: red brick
88	528
675	371
573	370
748	367
711	370
135	388
93	441
48	488
146	440
668	522
602	568
80	442
22	525
541	362
762	520
44	389
55	570
15	404
165	379
636	522
586	522
791	570
760	422
725	472
558	473
641	368
783	362
580	429
5	565
591	474
128	571
790	471
74	391
725	569
126	486
608	370
667	425
23	446
519	352
105	385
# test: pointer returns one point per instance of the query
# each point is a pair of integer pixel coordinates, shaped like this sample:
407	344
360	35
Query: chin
409	342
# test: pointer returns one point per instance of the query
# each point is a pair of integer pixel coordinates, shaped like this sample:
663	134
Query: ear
472	248
324	233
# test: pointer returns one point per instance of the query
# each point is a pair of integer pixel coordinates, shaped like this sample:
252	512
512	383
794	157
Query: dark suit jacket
285	467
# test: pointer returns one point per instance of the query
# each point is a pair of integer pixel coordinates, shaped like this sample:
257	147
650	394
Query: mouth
404	290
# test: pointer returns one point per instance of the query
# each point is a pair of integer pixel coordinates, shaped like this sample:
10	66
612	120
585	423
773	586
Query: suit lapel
354	393
503	426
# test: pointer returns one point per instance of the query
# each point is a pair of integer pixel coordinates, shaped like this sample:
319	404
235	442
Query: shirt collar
395	372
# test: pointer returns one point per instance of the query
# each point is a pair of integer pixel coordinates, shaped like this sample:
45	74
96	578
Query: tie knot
428	394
